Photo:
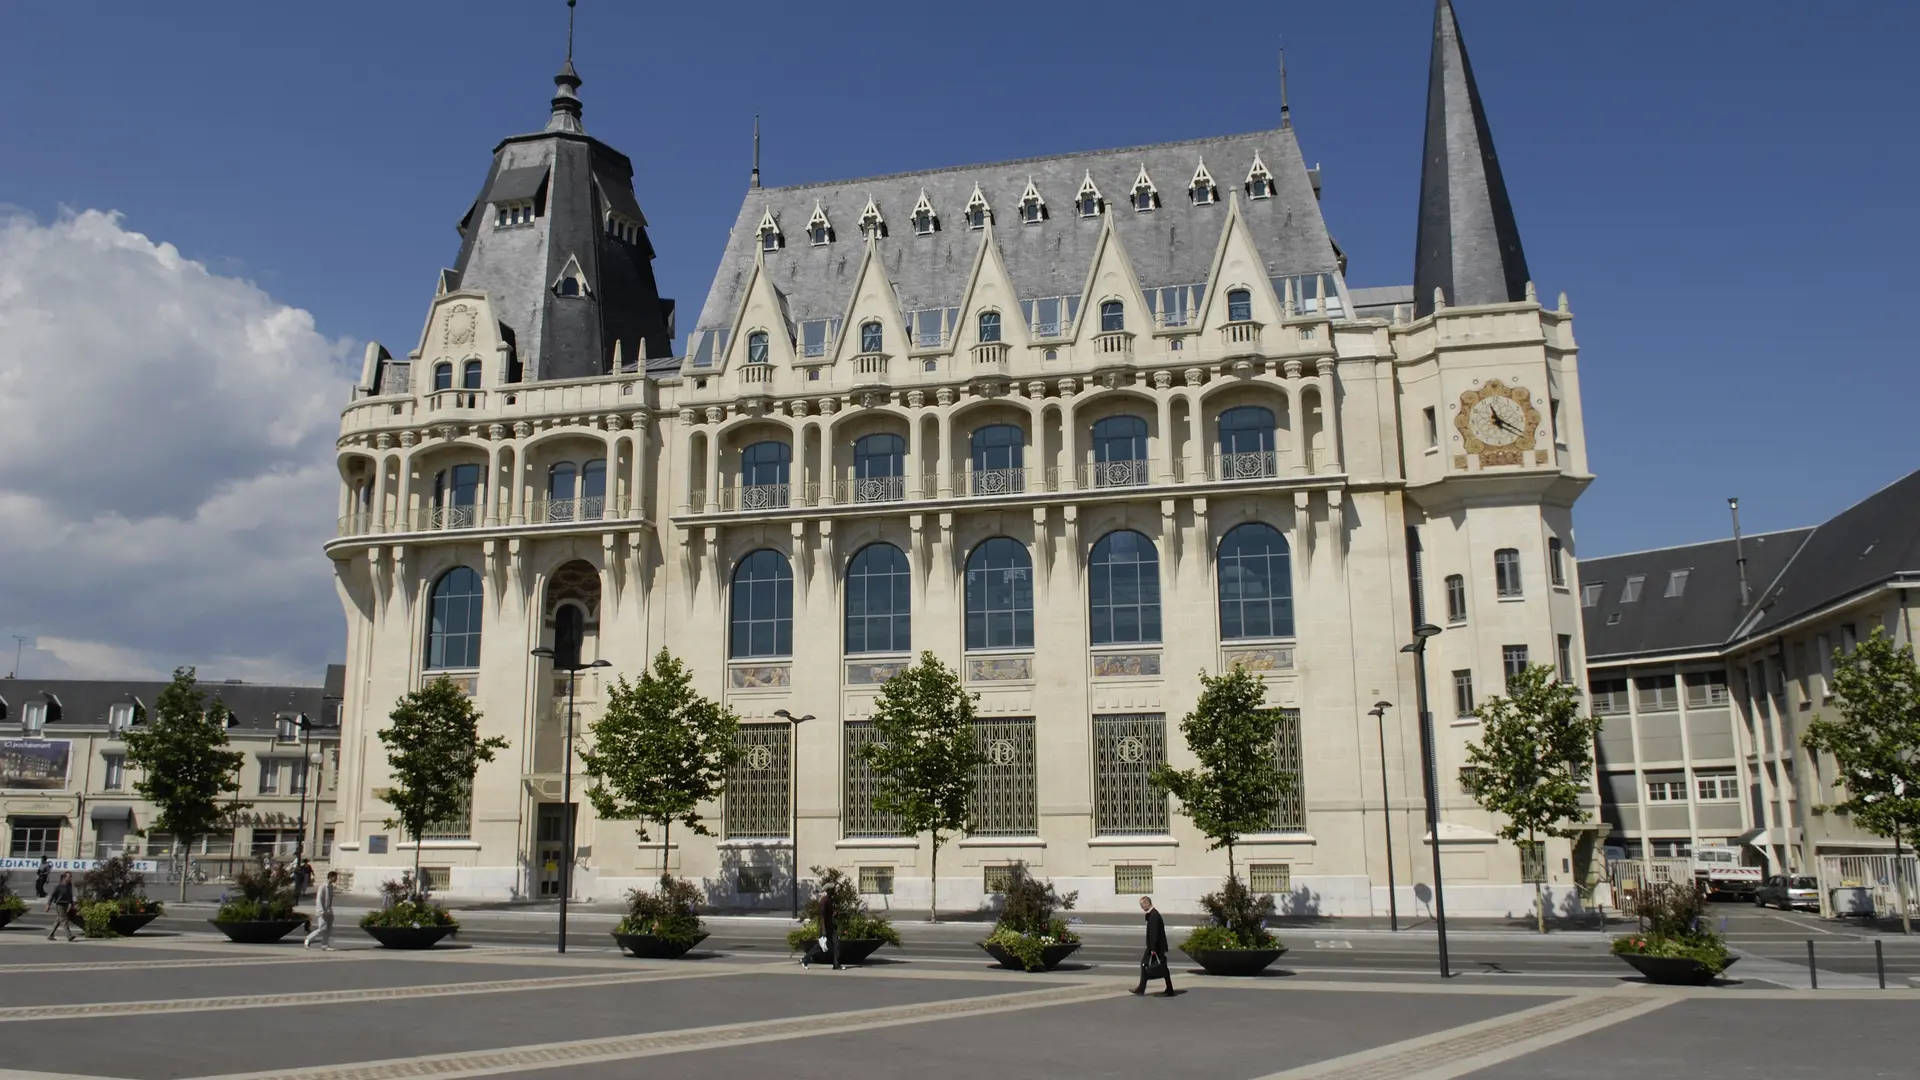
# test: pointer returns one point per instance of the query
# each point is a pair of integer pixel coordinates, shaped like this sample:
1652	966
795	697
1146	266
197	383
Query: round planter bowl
5	917
408	937
129	925
1050	956
1238	963
856	950
649	947
258	931
1672	970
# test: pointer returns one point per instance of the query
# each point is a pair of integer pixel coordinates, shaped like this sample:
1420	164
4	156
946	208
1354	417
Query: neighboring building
1082	426
68	791
1706	679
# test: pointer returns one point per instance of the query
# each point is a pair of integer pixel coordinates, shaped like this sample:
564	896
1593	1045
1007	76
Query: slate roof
1171	245
1874	541
84	702
1705	616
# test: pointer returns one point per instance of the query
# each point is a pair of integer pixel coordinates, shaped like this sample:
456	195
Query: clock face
1497	421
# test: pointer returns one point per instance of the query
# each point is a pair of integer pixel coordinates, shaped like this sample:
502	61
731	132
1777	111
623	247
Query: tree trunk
933	882
1230	868
666	847
1900	879
416	866
1539	882
186	863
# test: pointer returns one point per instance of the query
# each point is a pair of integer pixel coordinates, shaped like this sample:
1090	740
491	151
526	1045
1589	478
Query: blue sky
1725	191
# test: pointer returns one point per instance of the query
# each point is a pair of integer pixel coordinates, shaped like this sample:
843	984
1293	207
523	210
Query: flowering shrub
1239	920
1704	947
413	914
1027	923
1672	925
667	912
266	894
851	914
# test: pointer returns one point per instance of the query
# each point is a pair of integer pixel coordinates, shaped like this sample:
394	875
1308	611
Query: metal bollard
1813	973
1880	963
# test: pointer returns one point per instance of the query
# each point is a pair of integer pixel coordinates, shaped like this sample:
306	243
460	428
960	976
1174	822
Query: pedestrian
62	902
829	943
302	879
324	901
1154	961
40	878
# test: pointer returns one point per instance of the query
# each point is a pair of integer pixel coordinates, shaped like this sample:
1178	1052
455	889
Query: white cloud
166	464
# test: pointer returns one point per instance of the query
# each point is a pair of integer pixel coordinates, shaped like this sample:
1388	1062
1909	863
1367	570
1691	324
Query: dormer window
989	327
119	717
33	717
508	214
572	282
757	347
1202	190
1259	180
819	229
1088	201
925	222
1145	197
977	211
872	225
623	228
569	286
870	337
769	232
1033	209
442	376
470	375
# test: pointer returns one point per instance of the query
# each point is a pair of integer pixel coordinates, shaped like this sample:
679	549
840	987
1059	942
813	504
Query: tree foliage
186	769
659	749
923	754
1238	783
1533	760
434	750
1876	738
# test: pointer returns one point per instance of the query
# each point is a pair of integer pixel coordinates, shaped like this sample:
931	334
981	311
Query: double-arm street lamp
1379	714
1429	780
567	660
305	724
793	796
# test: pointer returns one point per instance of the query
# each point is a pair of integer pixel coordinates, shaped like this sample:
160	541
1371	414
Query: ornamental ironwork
1130	472
758	799
872	489
1005	795
999	481
1251	465
765	496
1291	814
1127	748
859	817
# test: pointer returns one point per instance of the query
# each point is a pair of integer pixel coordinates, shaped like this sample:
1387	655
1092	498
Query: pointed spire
566	103
1286	112
753	181
1468	244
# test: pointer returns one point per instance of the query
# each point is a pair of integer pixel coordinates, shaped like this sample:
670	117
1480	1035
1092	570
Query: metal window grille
437	878
1005	795
994	879
876	880
1270	877
757	783
1533	861
1127	748
753	880
1132	880
457	827
1291	814
858	815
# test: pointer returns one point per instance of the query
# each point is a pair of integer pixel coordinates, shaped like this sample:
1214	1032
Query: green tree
658	750
1875	741
923	754
186	770
1238	784
434	750
1532	762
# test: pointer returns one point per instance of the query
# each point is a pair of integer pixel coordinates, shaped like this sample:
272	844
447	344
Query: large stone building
1082	426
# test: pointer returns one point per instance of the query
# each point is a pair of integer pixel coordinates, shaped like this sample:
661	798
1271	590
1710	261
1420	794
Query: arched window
757	347
455	493
569	630
1246	443
763	475
1113	316
560	479
569	286
442	376
470	375
762	622
870	340
453	621
989	326
1000	596
879	601
1256	584
999	459
1119	451
1123	590
879	468
1239	305
593	489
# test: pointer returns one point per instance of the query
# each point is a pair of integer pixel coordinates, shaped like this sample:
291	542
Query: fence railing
1876	874
1247	465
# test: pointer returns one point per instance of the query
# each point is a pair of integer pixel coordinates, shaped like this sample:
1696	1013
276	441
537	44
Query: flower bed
662	924
1028	936
1674	945
263	912
861	931
114	900
1236	940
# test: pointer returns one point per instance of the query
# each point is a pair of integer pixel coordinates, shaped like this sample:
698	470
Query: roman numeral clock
1497	422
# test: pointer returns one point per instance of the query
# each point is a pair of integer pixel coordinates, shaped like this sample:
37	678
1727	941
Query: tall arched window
870	339
1246	443
593	489
879	468
1256	583
1113	316
470	375
762	606
569	630
442	376
1239	305
757	347
989	326
453	621
1000	596
560	479
1123	590
879	601
999	459
1119	451
763	475
456	492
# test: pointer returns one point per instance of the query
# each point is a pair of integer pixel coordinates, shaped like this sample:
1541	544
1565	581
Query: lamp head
1426	630
544	654
600	664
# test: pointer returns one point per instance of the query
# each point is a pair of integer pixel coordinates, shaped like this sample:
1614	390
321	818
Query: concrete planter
1672	970
1237	963
5	918
408	937
128	925
1050	956
258	931
856	950
649	947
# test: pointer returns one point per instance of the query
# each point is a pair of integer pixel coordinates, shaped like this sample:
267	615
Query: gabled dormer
875	330
872	225
1088	202
1033	208
1114	303
1259	179
925	221
1201	189
1144	196
572	281
1241	301
978	212
990	319
762	337
769	233
819	229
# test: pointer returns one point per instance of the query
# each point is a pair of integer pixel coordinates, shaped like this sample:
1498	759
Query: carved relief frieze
459	325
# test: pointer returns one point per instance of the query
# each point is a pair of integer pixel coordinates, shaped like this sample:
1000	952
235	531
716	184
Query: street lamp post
573	667
305	724
793	797
1430	780
1379	713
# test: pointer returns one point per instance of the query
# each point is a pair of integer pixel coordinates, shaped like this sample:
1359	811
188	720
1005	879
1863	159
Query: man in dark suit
1156	954
829	929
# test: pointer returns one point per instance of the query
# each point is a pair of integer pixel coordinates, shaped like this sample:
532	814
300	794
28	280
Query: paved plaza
185	1003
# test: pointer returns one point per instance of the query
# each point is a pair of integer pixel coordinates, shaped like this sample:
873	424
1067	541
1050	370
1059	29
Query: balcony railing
756	497
1240	333
871	489
432	518
1113	343
551	511
1057	328
1131	472
1249	465
754	374
997	481
870	364
456	399
990	353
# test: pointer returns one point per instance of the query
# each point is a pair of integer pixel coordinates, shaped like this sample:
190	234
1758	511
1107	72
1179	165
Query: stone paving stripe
1461	1050
337	997
25	1074
588	1051
152	965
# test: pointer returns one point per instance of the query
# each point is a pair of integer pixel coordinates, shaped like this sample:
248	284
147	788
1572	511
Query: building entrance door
550	847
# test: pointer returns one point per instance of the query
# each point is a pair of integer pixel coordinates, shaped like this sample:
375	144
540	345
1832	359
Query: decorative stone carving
872	673
944	395
799	407
1323	366
871	398
1125	665
459	325
688	416
522	429
612	422
640	421
916	399
496	432
1162	380
1271	658
1194	376
1113	380
829	406
1294	368
383	441
762	677
408	438
715	414
1069	387
1000	669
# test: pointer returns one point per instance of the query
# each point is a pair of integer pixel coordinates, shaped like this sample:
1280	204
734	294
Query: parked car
1787	893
